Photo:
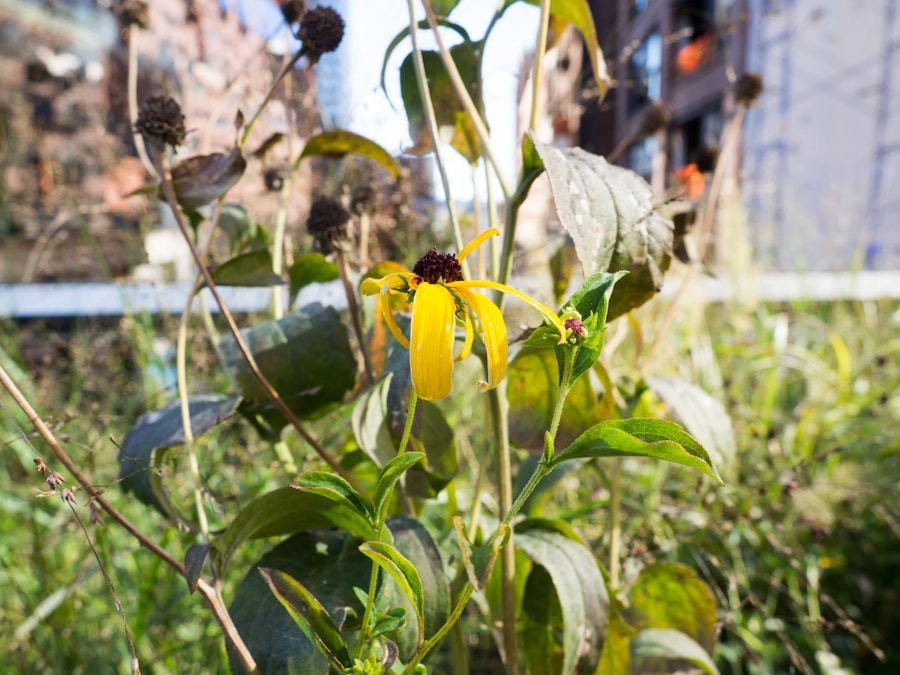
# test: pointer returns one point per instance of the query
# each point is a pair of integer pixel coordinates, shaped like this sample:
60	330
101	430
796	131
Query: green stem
499	408
429	644
355	314
407	429
539	62
563	388
370	603
615	524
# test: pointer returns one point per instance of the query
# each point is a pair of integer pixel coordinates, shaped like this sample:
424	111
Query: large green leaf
570	569
640	437
163	429
337	143
655	644
304	355
328	569
390	474
310	268
447	107
286	511
702	415
669	595
578	13
608	211
335	488
431	434
370	426
616	655
247	269
309	615
533	384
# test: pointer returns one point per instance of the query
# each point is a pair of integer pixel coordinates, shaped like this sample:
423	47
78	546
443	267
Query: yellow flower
440	296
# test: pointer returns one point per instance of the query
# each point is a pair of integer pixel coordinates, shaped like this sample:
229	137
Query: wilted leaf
305	356
337	143
667	644
194	560
248	269
162	429
204	178
578	585
608	211
638	437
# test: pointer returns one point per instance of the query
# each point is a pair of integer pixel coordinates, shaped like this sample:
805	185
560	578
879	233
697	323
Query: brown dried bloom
748	88
321	31
656	117
363	200
293	10
133	13
327	224
161	122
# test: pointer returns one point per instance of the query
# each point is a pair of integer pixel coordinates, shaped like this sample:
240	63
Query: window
695	26
645	72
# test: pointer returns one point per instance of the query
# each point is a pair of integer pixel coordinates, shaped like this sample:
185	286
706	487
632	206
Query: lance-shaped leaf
608	211
640	437
390	474
305	356
194	560
668	644
404	574
337	143
286	511
248	269
570	573
310	268
479	560
336	489
309	615
163	429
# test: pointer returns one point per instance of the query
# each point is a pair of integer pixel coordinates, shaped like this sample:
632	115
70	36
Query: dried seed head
55	479
327	224
656	117
274	178
133	13
161	122
434	266
293	10
321	31
748	88
363	200
706	157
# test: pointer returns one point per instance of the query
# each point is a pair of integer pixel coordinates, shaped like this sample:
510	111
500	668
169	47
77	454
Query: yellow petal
467	345
476	242
431	341
548	313
387	308
372	286
494	336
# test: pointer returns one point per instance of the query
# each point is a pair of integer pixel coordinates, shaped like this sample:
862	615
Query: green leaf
579	588
591	300
578	13
335	488
286	511
328	567
448	109
304	355
337	143
310	268
390	474
533	385
309	615
404	33
415	543
370	426
669	595
616	655
163	429
248	269
663	643
640	437
444	7
194	559
479	560
244	234
404	574
702	415
608	211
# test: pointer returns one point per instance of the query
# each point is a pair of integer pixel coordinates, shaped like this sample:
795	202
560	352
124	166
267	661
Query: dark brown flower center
433	266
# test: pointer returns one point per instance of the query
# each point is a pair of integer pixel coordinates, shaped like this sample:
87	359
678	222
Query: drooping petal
395	280
548	313
431	341
476	242
494	330
467	345
387	308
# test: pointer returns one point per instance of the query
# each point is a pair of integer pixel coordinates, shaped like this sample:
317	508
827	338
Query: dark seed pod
363	200
321	31
656	117
748	88
434	266
327	223
160	122
293	10
274	178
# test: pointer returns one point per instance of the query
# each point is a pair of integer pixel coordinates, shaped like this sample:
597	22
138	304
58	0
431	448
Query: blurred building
819	167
